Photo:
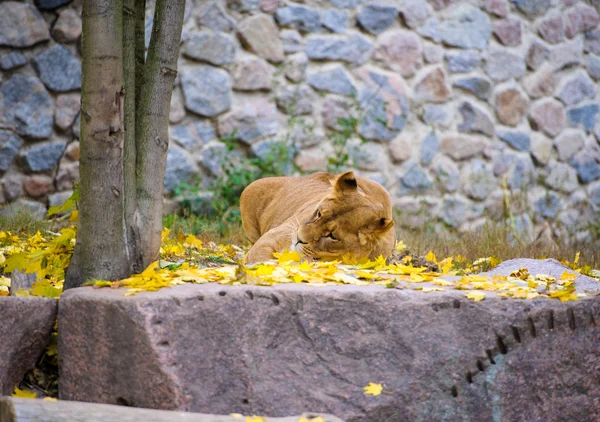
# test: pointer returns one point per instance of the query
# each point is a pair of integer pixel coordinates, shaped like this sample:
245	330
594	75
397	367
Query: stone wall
453	99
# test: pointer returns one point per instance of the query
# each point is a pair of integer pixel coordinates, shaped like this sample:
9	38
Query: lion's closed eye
332	237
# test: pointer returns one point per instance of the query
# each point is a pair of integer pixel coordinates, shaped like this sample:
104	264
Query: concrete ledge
25	327
286	349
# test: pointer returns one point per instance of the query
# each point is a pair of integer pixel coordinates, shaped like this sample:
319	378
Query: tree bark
153	136
102	249
124	136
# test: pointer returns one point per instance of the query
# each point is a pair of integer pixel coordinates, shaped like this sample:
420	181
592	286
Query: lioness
321	216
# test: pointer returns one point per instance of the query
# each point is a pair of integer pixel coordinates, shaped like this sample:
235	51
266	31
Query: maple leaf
315	419
24	394
45	288
373	389
287	256
475	296
431	257
400	246
255	419
50	399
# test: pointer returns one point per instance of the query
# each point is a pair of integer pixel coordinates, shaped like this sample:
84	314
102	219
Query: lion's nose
300	241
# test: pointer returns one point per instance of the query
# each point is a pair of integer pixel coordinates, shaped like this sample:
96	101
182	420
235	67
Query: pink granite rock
432	87
283	349
25	328
399	51
511	105
548	116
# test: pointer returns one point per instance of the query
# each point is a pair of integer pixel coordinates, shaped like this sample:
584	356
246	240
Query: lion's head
346	221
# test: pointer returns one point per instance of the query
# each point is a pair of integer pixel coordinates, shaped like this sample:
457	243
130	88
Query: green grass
23	222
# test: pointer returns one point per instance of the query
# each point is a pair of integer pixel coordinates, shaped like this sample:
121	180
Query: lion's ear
346	183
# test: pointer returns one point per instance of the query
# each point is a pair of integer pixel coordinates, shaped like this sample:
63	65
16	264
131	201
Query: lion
321	216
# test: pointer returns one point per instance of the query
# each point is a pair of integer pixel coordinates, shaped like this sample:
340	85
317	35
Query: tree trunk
101	250
124	136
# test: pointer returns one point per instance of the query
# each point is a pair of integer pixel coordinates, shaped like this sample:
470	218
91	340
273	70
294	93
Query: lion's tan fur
322	216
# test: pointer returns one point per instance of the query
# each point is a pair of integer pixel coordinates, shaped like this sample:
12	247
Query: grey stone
207	90
478	179
430	146
454	210
433	53
22	25
385	108
508	32
302	18
503	64
346	3
250	121
431	29
510	105
67	175
335	109
367	155
27	106
68	26
532	8
414	211
591	41
592	64
548	116
432	86
594	194
462	61
353	48
399	50
580	18
478	86
181	168
547	206
516	139
446	173
437	116
520	172
260	34
51	4
466	27
296	100
177	111
401	148
244	6
541	83
292	41
576	88
12	60
334	80
541	149
586	166
568	143
271	148
413	178
584	116
10	143
376	17
77	126
334	20
415	13
59	198
462	147
211	47
193	136
12	185
566	54
213	16
536	55
252	74
551	29
561	177
213	156
41	156
475	119
58	69
66	109
27	323
441	4
295	67
503	161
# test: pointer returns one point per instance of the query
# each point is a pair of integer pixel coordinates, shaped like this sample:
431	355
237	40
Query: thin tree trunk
102	249
153	115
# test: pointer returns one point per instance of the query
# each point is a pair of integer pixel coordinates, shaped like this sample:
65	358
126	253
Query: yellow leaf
236	415
576	260
16	262
193	242
400	246
475	296
287	256
317	419
45	288
24	394
73	218
567	276
50	399
373	389
431	257
255	419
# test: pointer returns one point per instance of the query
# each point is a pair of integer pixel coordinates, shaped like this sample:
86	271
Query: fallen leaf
24	394
475	296
373	389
